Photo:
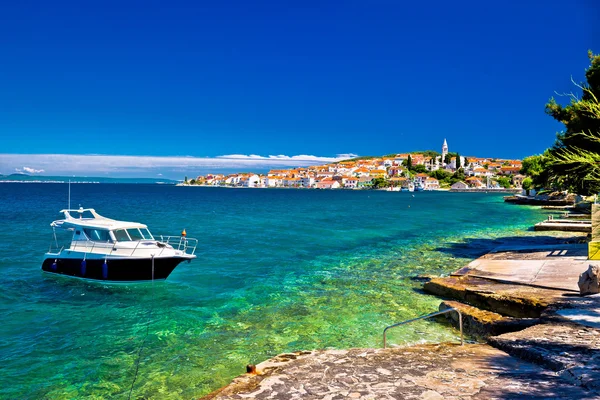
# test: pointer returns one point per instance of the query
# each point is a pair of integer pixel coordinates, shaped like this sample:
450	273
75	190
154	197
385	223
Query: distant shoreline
361	189
96	182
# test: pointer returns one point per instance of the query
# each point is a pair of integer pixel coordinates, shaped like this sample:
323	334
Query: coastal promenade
537	338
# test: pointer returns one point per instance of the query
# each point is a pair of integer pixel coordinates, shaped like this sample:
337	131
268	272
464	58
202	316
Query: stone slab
557	267
562	227
420	372
514	300
481	324
584	311
572	350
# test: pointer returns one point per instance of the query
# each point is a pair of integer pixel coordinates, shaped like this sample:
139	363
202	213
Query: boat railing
182	243
425	317
54	249
77	243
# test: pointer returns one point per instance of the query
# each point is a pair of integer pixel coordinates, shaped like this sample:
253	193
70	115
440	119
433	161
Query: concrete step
481	323
513	300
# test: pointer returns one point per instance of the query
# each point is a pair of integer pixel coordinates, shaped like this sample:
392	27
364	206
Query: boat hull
115	270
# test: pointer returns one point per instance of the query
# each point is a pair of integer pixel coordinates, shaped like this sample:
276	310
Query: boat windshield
132	234
97	235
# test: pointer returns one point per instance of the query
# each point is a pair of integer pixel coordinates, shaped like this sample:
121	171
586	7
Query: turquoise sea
277	270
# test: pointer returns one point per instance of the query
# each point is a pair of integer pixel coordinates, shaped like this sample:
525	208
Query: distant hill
80	179
426	153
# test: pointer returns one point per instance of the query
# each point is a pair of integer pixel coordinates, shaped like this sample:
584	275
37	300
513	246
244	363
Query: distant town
426	170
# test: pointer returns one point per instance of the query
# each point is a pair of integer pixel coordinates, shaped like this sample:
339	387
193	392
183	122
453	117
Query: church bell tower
444	151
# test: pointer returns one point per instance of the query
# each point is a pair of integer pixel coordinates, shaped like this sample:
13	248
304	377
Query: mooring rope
139	357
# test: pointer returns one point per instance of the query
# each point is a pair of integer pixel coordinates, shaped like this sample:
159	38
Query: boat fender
104	270
83	267
54	266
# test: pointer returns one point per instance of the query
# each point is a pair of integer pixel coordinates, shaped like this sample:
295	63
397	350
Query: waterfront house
307	181
250	181
342	170
216	180
480	171
453	162
395	171
397	181
232	180
459	185
274	181
328	184
506	170
290	182
263	181
517	180
433	164
400	158
417	159
421	178
475	183
378	173
278	172
360	172
325	174
350	183
431	184
364	182
347	164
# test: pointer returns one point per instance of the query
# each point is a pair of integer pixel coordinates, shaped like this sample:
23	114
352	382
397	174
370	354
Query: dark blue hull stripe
115	270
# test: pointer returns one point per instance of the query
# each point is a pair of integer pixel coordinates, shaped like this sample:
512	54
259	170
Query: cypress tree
448	159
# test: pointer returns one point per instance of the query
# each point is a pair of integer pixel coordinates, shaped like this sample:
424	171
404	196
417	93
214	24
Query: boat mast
69	204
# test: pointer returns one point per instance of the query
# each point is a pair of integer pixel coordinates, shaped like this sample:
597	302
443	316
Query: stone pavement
584	311
571	350
553	267
429	372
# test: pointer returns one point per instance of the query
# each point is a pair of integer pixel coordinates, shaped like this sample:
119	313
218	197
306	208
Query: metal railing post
460	326
435	314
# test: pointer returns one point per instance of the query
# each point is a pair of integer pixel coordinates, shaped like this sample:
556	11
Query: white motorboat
105	249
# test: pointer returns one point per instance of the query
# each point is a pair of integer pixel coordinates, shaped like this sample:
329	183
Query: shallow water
277	270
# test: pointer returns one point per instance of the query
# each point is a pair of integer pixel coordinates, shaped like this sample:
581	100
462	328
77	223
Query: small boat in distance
105	249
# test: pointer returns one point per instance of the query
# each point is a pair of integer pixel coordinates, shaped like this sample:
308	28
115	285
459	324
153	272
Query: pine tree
570	166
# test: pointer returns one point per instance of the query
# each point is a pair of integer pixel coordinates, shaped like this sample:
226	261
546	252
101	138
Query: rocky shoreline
556	199
515	303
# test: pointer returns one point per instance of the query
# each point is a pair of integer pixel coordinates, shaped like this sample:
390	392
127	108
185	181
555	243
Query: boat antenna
69	204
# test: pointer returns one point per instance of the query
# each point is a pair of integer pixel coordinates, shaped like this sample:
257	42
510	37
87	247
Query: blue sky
283	82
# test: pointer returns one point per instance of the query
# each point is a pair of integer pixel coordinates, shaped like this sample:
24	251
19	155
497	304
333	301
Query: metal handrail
181	243
424	317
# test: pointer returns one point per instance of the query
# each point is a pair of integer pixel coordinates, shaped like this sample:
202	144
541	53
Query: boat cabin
91	226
